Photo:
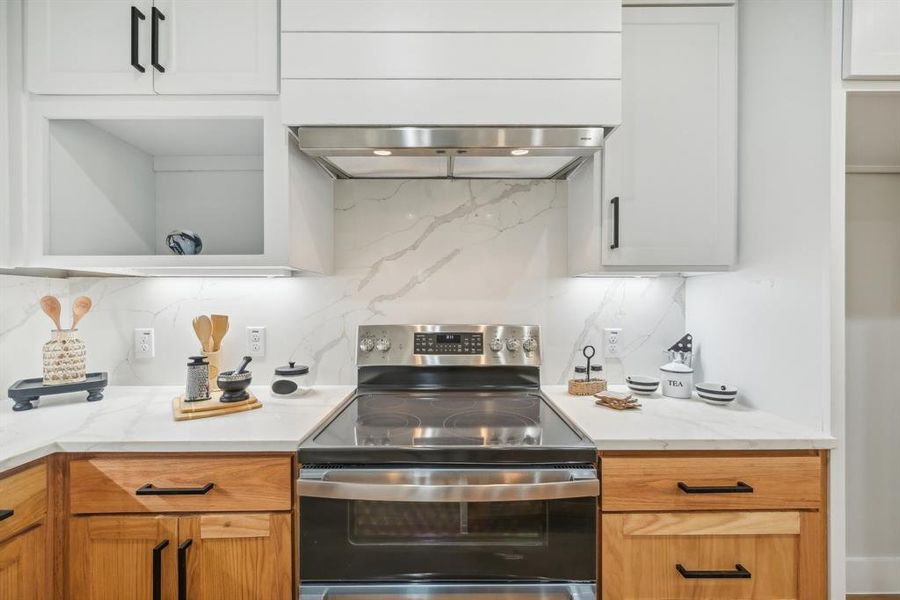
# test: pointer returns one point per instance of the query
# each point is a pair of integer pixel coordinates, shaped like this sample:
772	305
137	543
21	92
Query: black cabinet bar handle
740	572
148	490
182	568
615	233
5	514
157	16
136	16
739	488
157	569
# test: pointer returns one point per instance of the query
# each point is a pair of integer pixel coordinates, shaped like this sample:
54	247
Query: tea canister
290	381
197	386
64	357
677	379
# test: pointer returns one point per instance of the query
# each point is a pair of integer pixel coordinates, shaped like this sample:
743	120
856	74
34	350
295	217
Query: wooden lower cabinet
22	567
112	557
715	555
238	556
235	556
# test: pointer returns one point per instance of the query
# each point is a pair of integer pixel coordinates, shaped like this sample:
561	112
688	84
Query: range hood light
381	152
519	152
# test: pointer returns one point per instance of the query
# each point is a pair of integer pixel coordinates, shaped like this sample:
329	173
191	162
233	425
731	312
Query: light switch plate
256	341
144	343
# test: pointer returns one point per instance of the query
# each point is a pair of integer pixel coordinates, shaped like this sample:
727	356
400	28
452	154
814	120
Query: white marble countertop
139	419
671	424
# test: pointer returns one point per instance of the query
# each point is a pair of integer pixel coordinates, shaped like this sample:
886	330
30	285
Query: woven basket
580	387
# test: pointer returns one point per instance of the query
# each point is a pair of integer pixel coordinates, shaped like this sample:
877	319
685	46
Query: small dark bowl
234	387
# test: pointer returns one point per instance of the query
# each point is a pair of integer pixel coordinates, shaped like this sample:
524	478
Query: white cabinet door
88	46
217	47
672	162
872	39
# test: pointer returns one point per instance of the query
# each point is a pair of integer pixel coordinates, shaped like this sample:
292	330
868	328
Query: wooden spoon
219	329
50	306
80	307
203	329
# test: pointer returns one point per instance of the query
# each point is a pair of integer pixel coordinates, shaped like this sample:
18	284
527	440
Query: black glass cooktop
447	427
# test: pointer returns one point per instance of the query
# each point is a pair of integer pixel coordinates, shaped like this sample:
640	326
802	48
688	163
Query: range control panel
448	343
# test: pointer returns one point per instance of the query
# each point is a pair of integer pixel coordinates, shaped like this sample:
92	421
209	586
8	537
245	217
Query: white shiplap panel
451	102
451	56
451	15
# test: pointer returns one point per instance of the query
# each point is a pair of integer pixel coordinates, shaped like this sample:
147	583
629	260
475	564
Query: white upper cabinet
88	46
872	39
451	62
147	47
226	47
665	198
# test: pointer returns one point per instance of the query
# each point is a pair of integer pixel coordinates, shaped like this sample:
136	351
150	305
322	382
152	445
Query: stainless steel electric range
448	475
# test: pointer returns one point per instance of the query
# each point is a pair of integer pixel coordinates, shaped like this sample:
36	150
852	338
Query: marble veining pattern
405	252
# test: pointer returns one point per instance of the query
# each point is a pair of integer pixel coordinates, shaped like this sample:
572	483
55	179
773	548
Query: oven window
448	523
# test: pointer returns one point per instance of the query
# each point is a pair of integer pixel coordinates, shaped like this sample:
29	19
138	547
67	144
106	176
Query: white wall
99	179
405	252
764	327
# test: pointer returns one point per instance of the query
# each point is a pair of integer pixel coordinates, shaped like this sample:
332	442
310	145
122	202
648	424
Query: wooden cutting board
183	410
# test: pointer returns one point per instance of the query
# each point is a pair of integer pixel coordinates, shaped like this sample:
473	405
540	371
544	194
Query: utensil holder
64	358
213	359
586	387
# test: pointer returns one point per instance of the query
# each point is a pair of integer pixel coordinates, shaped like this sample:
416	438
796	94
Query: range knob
529	345
367	344
383	344
512	344
496	345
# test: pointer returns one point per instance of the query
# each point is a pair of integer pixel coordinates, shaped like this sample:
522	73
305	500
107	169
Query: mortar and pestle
234	384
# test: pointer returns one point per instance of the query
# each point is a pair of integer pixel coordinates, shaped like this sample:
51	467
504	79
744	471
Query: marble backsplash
405	252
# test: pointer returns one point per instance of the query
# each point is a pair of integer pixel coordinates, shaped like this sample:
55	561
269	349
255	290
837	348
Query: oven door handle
449	486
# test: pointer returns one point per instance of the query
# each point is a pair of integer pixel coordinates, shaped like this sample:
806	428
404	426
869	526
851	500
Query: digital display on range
448	343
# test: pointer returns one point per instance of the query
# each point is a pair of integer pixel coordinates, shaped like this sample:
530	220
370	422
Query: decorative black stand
26	391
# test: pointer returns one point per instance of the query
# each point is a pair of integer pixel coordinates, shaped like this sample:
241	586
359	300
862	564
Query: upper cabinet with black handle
151	46
662	195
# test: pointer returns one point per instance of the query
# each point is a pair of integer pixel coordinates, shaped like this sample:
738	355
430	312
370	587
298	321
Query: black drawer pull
740	572
182	568
148	490
5	514
615	235
136	16
156	16
157	569
739	488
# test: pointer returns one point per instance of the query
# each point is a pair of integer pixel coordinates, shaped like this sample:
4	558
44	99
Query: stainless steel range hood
449	152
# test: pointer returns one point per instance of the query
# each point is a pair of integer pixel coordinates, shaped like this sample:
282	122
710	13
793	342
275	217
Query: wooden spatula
80	307
203	329
50	306
219	329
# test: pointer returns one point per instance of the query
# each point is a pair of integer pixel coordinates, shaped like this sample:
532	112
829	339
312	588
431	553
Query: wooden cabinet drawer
697	555
692	482
25	494
120	485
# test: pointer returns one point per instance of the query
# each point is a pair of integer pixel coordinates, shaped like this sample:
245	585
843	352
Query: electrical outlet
256	341
612	340
144	343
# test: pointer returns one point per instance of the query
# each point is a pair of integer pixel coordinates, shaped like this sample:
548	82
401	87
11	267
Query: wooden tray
188	411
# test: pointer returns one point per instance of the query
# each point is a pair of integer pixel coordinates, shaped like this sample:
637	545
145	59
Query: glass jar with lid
290	381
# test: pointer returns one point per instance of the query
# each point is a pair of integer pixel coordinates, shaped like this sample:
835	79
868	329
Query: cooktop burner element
479	405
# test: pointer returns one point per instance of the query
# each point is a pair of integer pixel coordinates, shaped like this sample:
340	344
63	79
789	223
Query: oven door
557	591
448	525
